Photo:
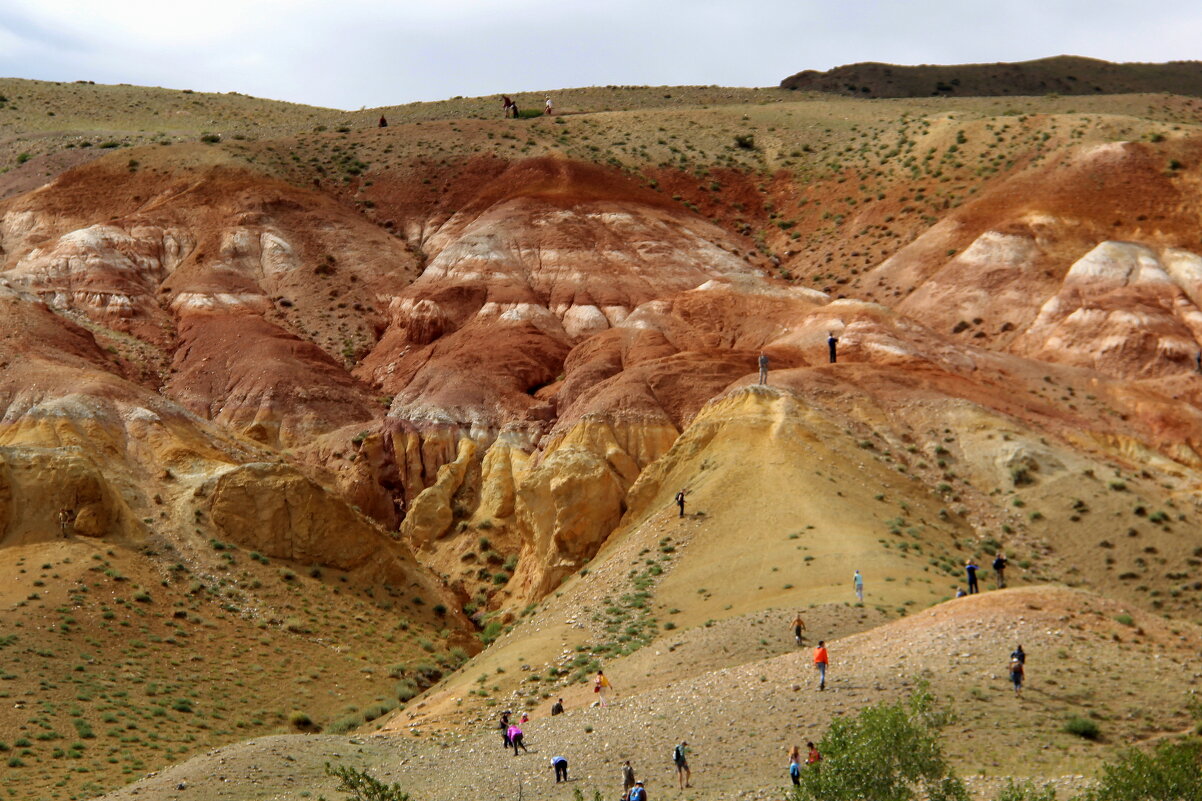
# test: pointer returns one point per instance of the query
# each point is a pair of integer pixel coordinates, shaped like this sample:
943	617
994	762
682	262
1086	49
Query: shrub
376	711
210	139
300	720
1082	727
406	689
363	787
888	751
182	705
1172	771
1026	791
344	724
1125	619
745	141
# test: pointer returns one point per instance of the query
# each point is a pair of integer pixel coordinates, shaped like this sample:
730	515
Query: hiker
505	728
821	659
999	567
518	739
557	708
1017	669
960	593
795	765
64	521
680	502
763	368
970	567
601	686
561	768
680	756
831	342
627	780
1019	654
637	793
507	106
383	122
547	108
799	626
813	758
857	581
525	718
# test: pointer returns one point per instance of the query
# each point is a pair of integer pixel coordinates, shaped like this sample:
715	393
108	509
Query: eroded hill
345	399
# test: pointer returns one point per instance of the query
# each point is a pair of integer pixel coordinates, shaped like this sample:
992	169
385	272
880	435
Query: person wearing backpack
1016	676
999	567
680	756
637	793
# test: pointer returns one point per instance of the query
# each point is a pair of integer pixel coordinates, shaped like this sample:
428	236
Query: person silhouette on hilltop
763	361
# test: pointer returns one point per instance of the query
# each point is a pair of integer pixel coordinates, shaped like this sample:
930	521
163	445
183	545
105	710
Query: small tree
889	752
363	787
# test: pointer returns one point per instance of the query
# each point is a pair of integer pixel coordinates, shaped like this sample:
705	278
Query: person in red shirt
820	661
813	758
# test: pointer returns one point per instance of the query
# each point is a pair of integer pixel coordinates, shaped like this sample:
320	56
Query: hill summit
1065	75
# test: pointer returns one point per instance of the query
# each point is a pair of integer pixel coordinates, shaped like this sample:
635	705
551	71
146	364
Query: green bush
1082	727
889	752
344	724
1172	772
1027	791
363	787
300	720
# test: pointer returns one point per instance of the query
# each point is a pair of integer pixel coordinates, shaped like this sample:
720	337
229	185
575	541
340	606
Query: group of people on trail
971	568
510	109
812	760
512	735
832	349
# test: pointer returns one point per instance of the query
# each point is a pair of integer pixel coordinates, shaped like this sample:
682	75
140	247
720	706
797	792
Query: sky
354	53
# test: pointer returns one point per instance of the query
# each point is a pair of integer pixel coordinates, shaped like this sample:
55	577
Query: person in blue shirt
561	769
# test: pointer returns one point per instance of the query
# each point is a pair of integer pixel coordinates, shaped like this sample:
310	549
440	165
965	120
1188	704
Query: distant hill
1066	75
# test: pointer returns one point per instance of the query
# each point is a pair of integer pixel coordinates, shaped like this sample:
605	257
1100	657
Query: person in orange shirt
601	686
820	661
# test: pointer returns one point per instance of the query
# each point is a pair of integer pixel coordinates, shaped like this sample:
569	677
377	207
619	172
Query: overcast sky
353	53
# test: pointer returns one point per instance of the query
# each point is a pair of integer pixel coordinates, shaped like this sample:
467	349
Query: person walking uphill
680	502
627	780
970	567
858	582
601	686
821	660
680	756
561	769
505	730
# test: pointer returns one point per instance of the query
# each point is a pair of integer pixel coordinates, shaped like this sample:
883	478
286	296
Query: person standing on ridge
547	109
557	708
763	362
627	780
680	502
970	568
383	122
831	342
680	756
821	660
999	567
601	686
799	626
857	581
561	769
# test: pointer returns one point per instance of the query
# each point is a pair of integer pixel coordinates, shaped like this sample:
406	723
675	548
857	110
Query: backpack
637	794
677	755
